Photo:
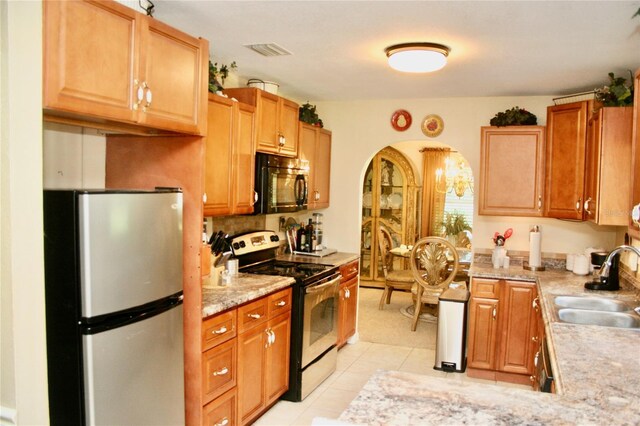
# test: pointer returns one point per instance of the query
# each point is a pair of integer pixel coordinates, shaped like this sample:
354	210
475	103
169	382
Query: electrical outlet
281	222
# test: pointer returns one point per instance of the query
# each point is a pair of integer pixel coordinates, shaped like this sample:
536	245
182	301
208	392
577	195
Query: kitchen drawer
219	372
218	329
221	411
252	314
279	302
349	270
485	288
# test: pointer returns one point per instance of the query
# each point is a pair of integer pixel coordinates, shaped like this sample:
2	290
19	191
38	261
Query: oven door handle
318	288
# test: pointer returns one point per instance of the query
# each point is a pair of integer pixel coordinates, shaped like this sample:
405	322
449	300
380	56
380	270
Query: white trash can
452	326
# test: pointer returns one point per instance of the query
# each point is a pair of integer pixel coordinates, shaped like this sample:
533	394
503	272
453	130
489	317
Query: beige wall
360	129
23	391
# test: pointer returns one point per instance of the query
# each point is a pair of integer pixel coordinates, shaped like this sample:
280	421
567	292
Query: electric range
314	309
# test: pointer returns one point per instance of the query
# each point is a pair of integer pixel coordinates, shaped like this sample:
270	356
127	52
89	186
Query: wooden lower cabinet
348	302
263	357
245	360
501	329
222	411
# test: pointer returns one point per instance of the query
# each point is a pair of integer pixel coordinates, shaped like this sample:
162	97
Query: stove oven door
320	322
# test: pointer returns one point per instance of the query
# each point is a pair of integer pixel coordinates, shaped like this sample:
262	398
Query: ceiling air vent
268	49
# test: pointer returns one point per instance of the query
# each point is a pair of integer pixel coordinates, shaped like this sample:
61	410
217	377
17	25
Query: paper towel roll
535	257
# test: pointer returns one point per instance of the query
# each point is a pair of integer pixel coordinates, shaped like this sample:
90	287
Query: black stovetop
302	272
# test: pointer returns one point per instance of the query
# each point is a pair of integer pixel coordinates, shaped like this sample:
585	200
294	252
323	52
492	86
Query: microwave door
283	197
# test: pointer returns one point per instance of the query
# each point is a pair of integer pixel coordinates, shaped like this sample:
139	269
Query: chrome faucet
609	271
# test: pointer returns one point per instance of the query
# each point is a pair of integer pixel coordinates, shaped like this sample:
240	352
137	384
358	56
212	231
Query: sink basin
592	303
603	318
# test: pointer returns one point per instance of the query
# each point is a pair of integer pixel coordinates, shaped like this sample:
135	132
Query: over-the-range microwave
281	184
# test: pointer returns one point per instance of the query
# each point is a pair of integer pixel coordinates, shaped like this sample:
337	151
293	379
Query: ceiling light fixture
417	57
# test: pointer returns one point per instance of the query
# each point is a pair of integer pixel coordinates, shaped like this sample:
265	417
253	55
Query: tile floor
355	364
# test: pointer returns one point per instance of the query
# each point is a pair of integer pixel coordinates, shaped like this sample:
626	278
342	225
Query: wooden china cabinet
389	200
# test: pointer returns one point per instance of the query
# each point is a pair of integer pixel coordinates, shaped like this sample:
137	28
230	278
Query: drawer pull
281	303
221	372
223	422
221	330
254	316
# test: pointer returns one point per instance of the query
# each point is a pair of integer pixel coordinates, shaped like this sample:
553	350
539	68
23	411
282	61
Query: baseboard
8	416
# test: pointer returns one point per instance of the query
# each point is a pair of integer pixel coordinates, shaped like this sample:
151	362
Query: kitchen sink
592	303
603	318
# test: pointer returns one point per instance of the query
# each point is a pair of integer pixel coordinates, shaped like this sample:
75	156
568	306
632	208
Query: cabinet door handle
280	303
254	316
148	96
223	422
495	312
539	202
534	339
139	94
586	206
281	140
635	214
273	336
347	293
535	359
532	379
579	204
221	372
534	304
255	197
221	330
204	198
317	195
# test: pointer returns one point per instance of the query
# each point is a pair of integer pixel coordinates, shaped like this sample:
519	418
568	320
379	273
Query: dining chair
401	279
434	264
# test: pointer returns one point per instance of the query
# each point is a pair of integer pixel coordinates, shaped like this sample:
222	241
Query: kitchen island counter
242	288
597	373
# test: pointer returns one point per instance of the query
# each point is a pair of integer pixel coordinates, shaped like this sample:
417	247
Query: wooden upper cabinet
174	70
565	159
315	147
229	158
218	181
106	62
276	117
607	175
82	72
634	219
244	160
511	171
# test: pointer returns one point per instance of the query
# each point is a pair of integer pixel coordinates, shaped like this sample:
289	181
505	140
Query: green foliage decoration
617	93
453	223
218	75
515	116
308	114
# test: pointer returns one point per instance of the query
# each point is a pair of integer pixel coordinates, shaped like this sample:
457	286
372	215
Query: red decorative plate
432	125
401	120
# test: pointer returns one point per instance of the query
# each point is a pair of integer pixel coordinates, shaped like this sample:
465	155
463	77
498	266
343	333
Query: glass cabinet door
388	201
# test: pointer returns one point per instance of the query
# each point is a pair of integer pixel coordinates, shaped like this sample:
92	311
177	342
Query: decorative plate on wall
401	120
432	125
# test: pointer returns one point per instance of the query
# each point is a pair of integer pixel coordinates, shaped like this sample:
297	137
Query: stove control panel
254	241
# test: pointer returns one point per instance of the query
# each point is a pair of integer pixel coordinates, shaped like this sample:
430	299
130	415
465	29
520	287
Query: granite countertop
242	288
335	259
597	372
246	287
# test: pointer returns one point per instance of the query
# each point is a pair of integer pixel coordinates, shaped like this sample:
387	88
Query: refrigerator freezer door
130	249
134	375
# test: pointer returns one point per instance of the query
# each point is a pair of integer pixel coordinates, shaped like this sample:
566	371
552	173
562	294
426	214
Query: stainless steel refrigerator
113	288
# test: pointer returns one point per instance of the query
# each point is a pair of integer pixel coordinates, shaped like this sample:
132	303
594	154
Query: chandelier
455	178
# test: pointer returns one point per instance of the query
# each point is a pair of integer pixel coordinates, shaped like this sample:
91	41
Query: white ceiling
498	48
